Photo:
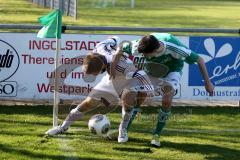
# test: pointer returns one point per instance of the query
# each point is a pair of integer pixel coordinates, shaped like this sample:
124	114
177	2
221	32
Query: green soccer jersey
171	59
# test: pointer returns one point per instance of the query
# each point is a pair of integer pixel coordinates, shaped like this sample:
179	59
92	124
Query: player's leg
74	115
169	89
78	112
141	96
128	99
163	114
101	95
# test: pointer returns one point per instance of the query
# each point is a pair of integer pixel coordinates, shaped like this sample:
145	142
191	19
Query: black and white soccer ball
99	124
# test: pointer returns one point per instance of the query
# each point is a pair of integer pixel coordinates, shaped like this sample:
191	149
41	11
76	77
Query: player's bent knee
128	97
141	97
168	90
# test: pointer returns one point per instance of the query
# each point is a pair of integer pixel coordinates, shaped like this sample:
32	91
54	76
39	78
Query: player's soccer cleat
155	141
55	130
123	136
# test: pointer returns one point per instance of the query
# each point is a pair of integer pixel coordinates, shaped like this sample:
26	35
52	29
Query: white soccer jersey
125	67
127	75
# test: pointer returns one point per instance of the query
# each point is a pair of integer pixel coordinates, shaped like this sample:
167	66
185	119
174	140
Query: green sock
135	110
162	118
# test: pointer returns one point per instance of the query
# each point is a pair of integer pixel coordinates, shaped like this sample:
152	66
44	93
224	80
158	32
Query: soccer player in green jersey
164	59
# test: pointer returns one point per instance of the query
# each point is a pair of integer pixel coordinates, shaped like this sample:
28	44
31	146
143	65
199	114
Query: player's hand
209	88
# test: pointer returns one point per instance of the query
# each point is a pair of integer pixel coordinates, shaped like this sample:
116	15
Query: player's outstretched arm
115	60
208	84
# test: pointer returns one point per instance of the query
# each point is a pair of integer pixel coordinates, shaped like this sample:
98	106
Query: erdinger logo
222	58
9	61
209	44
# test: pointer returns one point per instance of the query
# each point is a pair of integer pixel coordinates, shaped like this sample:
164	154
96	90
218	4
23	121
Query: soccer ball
99	124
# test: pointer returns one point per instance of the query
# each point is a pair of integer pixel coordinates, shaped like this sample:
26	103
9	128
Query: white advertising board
27	64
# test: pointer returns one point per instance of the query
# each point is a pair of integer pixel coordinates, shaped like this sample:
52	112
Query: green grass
191	133
152	13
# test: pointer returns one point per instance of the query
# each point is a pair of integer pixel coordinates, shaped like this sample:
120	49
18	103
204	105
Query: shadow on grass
212	152
197	110
37	110
202	134
17	121
144	142
18	151
128	149
19	133
47	110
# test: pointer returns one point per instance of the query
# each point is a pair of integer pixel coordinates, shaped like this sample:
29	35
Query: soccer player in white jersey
164	59
129	84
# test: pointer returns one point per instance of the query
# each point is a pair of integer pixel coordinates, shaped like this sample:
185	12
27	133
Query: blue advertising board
222	58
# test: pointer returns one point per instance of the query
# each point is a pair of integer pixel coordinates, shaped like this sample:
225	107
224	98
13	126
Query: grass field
153	13
193	133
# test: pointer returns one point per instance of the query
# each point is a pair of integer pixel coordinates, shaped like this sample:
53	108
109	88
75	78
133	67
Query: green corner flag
52	28
52	25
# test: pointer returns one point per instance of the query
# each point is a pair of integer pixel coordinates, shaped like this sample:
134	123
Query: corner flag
52	25
52	28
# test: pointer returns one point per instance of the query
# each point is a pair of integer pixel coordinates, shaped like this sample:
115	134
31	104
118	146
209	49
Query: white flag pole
56	79
132	3
56	87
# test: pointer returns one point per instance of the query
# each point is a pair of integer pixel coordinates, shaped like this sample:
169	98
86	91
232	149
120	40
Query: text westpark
65	45
66	89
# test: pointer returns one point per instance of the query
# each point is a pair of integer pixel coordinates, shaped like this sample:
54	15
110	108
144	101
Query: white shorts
172	79
104	91
111	90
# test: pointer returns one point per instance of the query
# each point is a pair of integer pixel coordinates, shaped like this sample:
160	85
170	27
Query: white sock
74	115
126	116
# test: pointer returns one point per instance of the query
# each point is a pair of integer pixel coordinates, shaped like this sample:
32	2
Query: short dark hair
93	63
148	44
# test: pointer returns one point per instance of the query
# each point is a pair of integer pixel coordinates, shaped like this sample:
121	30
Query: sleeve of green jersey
189	59
192	58
172	39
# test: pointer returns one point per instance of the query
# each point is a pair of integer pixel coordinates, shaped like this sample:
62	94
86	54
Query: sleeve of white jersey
107	47
110	43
